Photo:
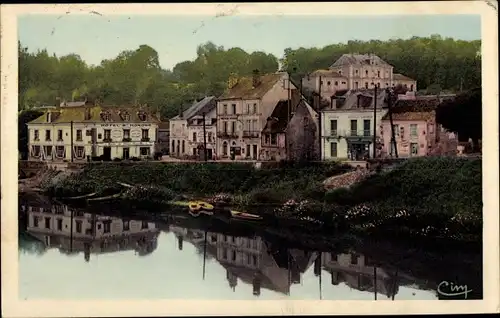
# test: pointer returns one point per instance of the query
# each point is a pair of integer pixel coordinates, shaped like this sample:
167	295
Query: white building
187	136
77	132
347	127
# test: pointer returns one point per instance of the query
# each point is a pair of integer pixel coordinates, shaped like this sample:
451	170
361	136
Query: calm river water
68	253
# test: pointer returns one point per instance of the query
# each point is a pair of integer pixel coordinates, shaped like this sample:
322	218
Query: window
254	125
107	226
224	127
233	106
144	225
333	127
36	136
142	116
366	127
366	84
255	108
209	136
194	137
79	135
78	226
183	147
249	125
224	253
248	109
414	149
126	225
354	127
254	258
366	72
333	257
336	83
333	149
273	139
224	109
233	126
354	259
80	152
356	72
145	134
48	151
328	83
340	72
413	130
47	222
378	73
106	116
47	135
59	151
59	224
126	134
234	256
35	221
356	86
266	139
107	134
145	150
343	82
320	82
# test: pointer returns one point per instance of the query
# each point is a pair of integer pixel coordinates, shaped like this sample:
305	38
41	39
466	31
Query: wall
344	118
385	79
210	133
178	135
302	136
425	138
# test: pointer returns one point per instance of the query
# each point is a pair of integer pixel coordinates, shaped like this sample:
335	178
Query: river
68	253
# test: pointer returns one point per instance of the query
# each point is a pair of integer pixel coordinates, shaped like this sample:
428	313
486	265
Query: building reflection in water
254	261
73	231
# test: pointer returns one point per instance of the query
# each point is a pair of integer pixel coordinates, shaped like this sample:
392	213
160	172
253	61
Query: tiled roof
358	59
244	88
279	118
414	109
401	77
77	114
365	101
330	73
198	108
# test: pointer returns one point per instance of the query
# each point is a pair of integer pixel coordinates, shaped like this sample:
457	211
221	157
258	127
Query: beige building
186	130
77	132
356	71
242	112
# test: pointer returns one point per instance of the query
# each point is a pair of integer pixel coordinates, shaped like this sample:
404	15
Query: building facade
80	133
163	138
416	131
348	126
189	135
356	71
242	112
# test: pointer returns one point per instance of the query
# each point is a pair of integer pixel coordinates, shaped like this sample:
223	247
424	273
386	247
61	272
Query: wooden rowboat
200	207
245	216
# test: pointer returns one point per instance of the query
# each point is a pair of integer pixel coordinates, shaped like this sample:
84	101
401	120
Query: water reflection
248	265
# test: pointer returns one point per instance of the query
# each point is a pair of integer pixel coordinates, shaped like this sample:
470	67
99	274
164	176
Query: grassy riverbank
422	198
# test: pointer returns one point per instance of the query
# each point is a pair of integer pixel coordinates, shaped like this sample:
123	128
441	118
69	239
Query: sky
175	38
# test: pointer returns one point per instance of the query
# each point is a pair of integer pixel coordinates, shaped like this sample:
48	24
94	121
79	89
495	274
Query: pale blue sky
175	38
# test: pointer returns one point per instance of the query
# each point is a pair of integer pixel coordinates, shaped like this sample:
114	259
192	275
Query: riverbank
421	198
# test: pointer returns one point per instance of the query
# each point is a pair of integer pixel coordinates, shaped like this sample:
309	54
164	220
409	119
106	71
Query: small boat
108	197
245	216
200	207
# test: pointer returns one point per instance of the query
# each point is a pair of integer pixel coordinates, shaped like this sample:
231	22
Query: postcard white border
13	307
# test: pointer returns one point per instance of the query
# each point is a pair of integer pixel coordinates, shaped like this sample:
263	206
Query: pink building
416	131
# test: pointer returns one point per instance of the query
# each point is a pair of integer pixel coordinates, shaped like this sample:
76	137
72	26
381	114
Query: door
106	156
209	154
254	152
126	153
248	151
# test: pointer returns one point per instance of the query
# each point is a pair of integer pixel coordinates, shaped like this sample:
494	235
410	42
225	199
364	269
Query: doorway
126	153
248	151
254	152
209	154
106	156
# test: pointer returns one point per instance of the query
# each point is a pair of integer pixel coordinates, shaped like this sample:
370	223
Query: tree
463	115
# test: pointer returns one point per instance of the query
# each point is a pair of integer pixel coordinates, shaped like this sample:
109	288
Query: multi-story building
187	134
348	125
416	131
291	135
356	71
79	133
242	112
163	137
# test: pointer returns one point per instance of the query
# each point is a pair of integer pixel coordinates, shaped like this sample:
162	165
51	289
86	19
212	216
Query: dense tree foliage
463	115
135	76
24	117
433	61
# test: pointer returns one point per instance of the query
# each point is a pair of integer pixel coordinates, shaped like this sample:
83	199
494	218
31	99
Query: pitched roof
359	59
414	109
366	99
278	120
77	114
244	87
401	77
198	108
330	73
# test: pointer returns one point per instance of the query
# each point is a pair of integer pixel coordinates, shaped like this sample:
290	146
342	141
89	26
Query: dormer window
125	116
106	116
142	116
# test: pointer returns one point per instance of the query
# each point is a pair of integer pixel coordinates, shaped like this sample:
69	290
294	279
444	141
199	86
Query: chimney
256	78
49	116
316	102
87	113
180	111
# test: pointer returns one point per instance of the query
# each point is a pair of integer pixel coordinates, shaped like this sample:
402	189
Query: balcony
145	139
251	134
127	139
360	134
107	139
227	135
